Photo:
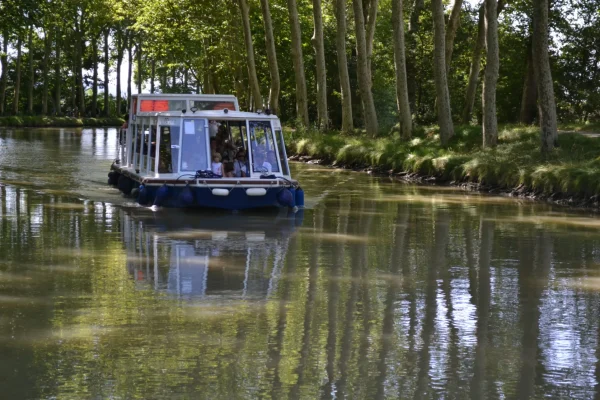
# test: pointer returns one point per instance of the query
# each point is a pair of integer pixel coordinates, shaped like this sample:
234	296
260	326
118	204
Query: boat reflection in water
211	256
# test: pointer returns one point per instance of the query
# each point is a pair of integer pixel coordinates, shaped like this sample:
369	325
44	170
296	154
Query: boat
169	151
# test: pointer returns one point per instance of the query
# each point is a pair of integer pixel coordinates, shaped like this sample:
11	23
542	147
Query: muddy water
377	290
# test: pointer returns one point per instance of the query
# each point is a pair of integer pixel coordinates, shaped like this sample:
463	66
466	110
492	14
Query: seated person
228	169
272	159
228	152
261	164
240	169
216	166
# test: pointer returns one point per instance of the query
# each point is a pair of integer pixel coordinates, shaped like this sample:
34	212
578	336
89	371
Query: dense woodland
328	64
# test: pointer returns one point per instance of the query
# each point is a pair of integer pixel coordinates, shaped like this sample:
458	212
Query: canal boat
198	150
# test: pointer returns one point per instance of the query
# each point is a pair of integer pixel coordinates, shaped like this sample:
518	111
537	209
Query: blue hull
202	197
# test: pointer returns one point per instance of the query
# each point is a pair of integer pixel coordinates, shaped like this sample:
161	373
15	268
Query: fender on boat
186	197
161	195
255	192
299	197
220	192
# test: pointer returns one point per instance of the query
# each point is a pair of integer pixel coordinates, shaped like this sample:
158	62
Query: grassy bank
571	171
63	122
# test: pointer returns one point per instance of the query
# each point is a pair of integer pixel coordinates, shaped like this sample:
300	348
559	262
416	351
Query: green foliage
572	169
198	45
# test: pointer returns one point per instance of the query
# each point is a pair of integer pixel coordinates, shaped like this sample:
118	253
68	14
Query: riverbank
58	122
570	175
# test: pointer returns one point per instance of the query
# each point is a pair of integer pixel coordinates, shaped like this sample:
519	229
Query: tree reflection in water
369	298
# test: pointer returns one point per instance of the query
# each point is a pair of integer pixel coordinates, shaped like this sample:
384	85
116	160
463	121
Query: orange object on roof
154	105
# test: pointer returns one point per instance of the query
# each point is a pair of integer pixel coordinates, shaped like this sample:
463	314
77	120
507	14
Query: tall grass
66	122
571	169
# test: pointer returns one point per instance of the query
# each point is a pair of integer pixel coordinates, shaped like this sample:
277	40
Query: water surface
377	290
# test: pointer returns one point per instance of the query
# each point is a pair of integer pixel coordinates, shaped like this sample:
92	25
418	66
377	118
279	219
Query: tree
106	70
543	76
528	110
364	77
271	57
31	60
490	122
4	62
400	67
476	63
254	85
317	40
453	23
18	78
301	96
439	68
342	60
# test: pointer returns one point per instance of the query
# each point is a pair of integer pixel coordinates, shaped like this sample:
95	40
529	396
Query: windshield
194	145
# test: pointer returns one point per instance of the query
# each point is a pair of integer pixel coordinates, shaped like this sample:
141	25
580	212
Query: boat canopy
171	136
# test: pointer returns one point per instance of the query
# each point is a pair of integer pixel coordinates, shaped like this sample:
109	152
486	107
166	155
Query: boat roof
186	96
210	114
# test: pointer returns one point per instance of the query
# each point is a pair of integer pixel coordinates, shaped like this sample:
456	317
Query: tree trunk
31	72
400	65
439	68
152	75
47	49
476	64
57	77
271	57
95	76
129	69
475	68
79	65
453	23
185	80
106	69
364	78
18	77
138	53
411	72
543	76
301	96
529	97
258	104
317	42
119	62
4	61
371	22
342	59
492	67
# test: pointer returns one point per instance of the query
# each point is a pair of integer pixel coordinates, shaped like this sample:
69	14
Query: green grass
67	122
572	169
581	127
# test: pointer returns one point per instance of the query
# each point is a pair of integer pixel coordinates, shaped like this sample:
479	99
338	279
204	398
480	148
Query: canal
377	290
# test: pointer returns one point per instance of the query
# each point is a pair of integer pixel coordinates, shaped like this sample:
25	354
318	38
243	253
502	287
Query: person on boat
228	169
228	151
216	166
272	159
213	128
240	169
262	164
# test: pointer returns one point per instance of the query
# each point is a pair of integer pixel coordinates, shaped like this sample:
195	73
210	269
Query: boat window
194	145
264	157
212	105
167	159
282	153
